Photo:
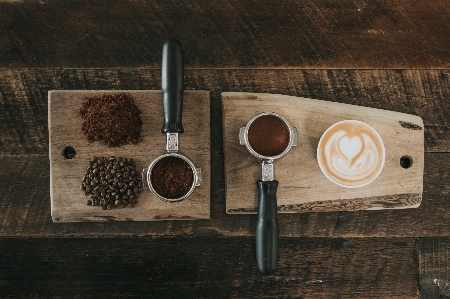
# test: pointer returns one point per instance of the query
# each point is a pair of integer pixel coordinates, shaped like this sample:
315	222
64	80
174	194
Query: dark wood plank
25	206
25	210
23	123
315	33
434	270
430	219
206	268
24	112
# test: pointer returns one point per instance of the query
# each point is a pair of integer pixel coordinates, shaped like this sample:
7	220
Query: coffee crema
351	154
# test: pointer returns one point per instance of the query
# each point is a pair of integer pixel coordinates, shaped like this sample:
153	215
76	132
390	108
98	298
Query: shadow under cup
351	154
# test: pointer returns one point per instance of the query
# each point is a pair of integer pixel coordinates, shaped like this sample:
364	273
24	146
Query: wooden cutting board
68	204
302	185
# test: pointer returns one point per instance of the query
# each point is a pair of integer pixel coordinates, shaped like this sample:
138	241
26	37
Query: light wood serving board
302	185
68	204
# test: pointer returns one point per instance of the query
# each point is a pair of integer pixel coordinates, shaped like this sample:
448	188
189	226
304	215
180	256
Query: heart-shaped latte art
350	147
351	154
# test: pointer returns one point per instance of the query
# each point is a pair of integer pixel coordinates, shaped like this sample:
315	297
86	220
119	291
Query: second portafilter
267	136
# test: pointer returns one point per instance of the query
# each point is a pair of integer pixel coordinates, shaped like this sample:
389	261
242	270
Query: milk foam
351	154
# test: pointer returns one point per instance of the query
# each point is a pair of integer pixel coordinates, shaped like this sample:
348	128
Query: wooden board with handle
68	204
302	185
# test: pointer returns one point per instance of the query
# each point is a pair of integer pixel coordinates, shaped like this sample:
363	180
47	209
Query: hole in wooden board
69	152
406	162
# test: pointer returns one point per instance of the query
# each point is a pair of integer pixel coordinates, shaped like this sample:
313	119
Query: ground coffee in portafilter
268	135
172	177
113	119
112	182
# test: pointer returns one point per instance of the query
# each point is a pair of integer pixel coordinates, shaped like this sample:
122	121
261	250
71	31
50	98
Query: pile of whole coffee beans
111	182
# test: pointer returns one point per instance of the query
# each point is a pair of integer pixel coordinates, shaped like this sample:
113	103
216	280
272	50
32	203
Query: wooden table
388	55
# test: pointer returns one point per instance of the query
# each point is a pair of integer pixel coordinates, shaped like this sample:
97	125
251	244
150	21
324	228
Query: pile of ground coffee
172	177
111	182
113	119
268	135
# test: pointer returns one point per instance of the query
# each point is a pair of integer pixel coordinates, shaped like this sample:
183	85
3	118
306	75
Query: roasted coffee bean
111	182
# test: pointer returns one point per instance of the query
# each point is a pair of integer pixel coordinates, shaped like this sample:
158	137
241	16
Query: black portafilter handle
172	74
267	227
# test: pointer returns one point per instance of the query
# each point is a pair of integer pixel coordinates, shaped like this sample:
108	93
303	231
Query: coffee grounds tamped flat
267	136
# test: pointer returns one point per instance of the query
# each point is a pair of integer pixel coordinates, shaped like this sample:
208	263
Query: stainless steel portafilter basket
267	230
172	88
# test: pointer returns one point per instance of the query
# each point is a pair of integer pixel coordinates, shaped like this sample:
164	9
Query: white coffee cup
351	154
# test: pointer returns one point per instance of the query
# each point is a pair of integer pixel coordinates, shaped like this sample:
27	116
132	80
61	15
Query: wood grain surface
25	204
303	187
390	55
206	267
69	203
419	92
434	268
307	34
25	210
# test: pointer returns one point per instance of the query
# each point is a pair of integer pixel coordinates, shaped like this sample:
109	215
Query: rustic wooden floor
382	54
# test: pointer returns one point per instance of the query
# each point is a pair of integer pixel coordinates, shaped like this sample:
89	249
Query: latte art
351	154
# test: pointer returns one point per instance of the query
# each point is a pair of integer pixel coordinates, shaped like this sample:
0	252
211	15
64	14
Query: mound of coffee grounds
268	135
113	119
111	182
172	177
